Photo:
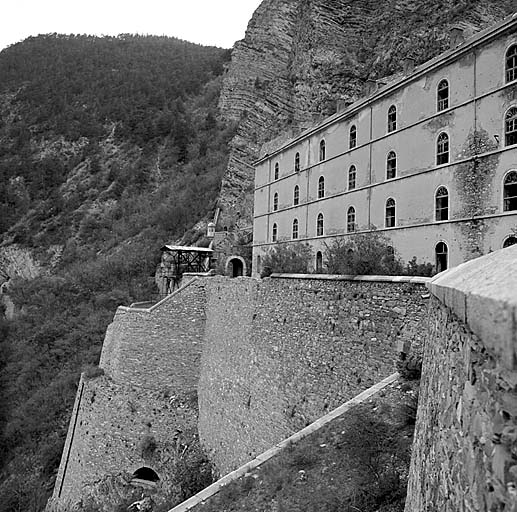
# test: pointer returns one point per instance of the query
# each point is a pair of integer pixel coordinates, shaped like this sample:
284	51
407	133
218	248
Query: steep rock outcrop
299	57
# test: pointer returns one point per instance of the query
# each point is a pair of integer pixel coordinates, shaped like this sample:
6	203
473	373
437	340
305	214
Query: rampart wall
151	362
158	347
465	449
282	352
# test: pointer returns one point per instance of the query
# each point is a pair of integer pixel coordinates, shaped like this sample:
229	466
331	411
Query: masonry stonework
465	448
151	363
280	353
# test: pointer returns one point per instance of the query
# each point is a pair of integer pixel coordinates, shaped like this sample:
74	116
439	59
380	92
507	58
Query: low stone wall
465	449
282	352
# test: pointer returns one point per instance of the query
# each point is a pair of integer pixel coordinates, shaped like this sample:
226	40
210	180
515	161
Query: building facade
429	159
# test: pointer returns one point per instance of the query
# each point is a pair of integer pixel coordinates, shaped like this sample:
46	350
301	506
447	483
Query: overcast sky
208	22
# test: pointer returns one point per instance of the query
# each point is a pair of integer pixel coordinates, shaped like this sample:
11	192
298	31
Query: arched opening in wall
235	266
319	262
441	251
145	477
510	240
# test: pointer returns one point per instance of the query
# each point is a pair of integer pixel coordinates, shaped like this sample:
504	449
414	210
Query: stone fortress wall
277	354
150	359
465	448
294	349
273	355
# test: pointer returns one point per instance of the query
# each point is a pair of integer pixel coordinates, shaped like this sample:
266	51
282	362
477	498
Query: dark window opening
351	177
297	162
275	202
390	213
442	149
511	63
295	229
319	262
274	234
510	192
510	127
443	95
441	252
319	225
350	220
352	142
322	151
321	187
442	204
391	165
277	171
392	118
296	195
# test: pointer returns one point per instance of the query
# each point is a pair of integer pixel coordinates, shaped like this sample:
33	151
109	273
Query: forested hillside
109	147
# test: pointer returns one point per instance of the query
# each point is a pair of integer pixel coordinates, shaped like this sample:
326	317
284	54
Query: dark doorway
145	473
237	269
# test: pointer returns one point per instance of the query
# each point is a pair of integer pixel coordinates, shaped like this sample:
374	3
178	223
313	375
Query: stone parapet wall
159	346
280	353
465	448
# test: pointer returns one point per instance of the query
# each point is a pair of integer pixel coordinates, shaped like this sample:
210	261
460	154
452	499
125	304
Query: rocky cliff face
299	57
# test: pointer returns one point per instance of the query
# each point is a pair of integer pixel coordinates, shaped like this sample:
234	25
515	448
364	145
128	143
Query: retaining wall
465	449
282	352
151	361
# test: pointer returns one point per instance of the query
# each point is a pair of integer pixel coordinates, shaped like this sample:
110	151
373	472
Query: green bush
288	258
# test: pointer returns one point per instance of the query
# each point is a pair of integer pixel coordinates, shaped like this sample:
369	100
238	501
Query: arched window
321	187
441	251
319	262
352	141
510	127
275	202
277	170
351	177
297	162
390	213
442	95
442	204
296	195
511	63
274	233
322	150
392	118
442	149
319	225
295	229
391	165
510	192
350	220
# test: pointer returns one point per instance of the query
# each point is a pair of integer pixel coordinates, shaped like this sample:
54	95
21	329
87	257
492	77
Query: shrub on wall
368	254
289	258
